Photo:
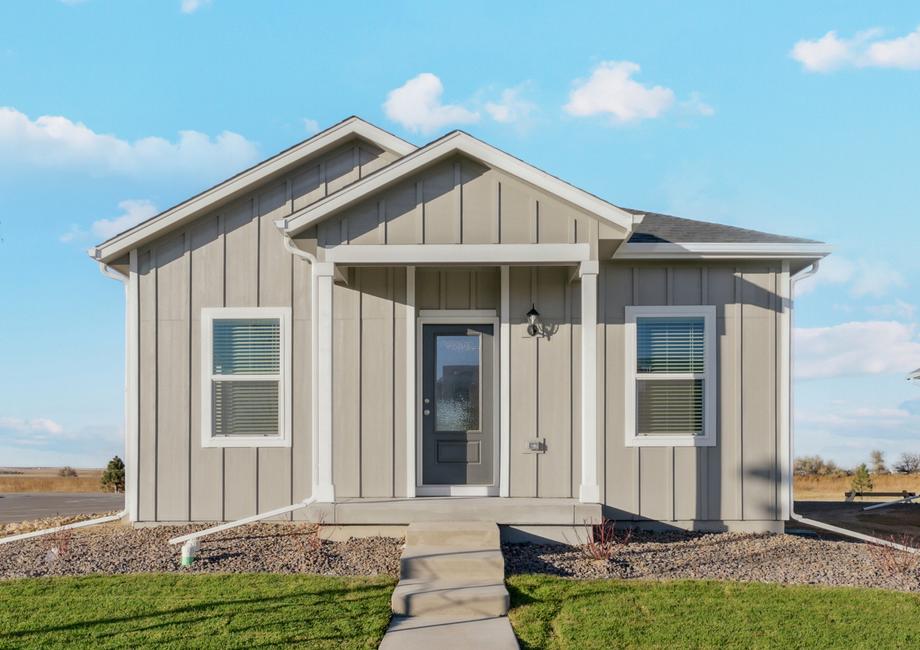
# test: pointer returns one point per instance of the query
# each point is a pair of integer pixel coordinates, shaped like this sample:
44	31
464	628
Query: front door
457	389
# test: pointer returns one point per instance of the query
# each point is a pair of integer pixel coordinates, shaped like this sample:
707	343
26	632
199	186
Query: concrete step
449	633
472	598
468	534
452	562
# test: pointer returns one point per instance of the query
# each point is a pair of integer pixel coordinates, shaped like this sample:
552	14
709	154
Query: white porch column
589	491
323	488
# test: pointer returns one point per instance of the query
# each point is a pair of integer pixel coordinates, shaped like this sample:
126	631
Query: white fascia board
456	142
703	251
422	254
192	208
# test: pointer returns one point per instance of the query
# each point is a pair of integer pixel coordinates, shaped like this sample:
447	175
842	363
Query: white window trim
208	316
709	376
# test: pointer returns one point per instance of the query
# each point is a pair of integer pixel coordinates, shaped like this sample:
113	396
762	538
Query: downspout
807	273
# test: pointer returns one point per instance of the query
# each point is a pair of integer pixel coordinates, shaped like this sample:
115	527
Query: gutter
807	273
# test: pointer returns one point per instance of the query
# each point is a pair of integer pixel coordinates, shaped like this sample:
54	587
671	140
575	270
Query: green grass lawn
219	611
555	613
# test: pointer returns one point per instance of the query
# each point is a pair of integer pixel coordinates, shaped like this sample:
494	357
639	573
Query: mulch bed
741	557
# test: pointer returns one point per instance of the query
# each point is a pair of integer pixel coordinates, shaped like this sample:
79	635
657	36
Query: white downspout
807	273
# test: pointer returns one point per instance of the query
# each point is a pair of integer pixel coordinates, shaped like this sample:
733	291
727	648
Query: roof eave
722	250
240	183
450	144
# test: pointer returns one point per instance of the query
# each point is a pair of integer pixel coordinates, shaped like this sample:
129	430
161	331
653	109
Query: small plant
67	472
59	546
894	561
862	482
603	543
113	478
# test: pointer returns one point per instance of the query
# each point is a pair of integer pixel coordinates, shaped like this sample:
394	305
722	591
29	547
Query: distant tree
908	463
113	478
67	471
877	459
862	482
815	466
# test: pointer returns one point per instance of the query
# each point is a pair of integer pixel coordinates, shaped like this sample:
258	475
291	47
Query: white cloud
899	309
511	107
856	348
133	212
191	6
417	106
610	90
865	50
35	425
52	141
310	126
875	278
695	105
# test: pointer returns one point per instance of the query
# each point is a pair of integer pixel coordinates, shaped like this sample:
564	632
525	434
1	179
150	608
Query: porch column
589	491
323	489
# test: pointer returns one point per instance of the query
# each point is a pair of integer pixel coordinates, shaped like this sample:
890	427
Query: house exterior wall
235	257
460	201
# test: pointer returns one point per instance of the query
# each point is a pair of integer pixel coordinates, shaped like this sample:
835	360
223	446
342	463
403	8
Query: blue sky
789	117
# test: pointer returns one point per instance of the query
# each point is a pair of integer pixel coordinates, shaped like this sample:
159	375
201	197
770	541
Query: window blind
246	346
246	376
673	345
671	405
245	408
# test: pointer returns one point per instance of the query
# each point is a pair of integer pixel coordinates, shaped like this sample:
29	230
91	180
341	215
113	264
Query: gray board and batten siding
235	257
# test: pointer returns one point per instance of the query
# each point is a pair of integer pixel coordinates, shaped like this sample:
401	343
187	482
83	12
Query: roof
447	145
242	182
663	228
653	235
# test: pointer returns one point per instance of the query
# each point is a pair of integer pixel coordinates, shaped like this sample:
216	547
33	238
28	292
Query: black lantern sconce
534	324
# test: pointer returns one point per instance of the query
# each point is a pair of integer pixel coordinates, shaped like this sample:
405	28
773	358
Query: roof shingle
659	228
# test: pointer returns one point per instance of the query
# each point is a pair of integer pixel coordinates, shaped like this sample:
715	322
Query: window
670	376
245	371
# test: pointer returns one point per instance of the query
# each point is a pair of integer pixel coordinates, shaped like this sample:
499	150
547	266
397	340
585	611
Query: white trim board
460	317
242	182
704	250
470	254
452	143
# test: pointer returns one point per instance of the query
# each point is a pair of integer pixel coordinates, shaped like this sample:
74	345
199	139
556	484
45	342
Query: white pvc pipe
49	531
242	522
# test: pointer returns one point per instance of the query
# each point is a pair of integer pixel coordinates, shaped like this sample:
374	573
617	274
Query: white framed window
671	376
246	377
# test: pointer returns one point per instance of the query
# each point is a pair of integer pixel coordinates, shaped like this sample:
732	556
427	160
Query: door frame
458	317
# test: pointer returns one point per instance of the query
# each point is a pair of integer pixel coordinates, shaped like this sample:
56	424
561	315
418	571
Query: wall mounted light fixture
534	325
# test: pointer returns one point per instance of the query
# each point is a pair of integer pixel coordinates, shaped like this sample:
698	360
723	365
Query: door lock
426	412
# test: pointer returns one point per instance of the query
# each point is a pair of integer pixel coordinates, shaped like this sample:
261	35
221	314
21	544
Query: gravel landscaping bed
272	548
727	556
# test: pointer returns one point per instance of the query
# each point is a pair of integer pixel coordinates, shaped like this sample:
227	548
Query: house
447	332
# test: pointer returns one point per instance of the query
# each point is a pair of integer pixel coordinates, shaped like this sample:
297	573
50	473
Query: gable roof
448	145
237	185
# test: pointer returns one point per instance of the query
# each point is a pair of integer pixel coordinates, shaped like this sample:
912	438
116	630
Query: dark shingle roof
663	228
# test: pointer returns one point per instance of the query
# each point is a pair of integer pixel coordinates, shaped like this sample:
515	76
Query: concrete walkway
451	592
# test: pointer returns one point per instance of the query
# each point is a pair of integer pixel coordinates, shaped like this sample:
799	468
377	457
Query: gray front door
457	435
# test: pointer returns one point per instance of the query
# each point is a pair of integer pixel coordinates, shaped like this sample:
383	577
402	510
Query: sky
796	118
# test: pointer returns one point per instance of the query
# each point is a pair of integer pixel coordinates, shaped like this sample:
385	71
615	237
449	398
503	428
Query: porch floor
502	511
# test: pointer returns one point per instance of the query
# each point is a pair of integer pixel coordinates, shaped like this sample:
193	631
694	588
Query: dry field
46	479
831	488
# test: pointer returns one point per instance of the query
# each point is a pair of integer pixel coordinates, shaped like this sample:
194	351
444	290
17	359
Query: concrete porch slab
496	510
